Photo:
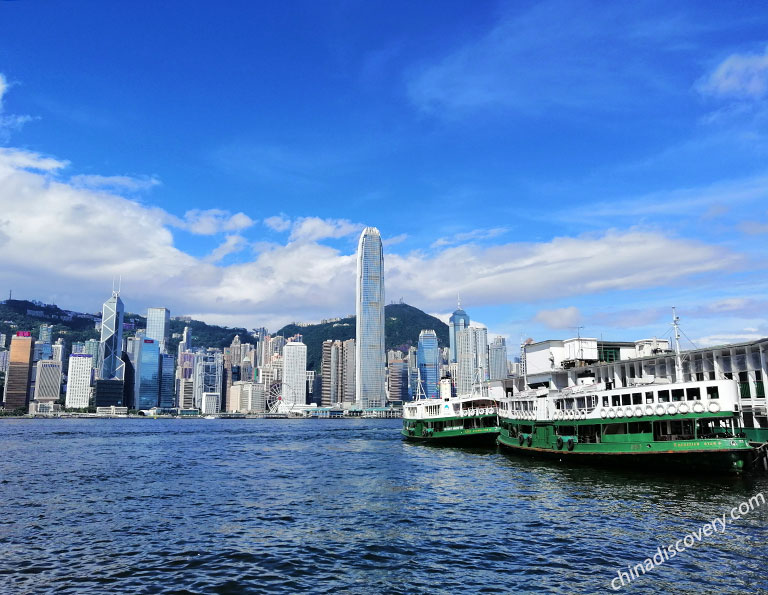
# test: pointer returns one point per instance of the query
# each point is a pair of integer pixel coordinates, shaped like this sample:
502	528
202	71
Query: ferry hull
719	460
485	438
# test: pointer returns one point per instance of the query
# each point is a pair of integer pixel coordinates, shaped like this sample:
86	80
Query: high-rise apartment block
370	362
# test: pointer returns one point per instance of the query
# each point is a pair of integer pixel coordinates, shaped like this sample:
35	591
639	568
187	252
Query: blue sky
560	164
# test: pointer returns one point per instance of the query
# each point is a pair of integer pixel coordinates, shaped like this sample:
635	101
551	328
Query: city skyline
552	199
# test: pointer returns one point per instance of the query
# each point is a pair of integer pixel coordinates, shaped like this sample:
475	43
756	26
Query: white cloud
394	239
9	122
278	222
117	183
724	339
56	237
231	244
312	229
740	76
469	236
560	318
212	221
11	159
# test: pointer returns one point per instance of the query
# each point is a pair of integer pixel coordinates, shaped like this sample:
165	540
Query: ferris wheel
276	397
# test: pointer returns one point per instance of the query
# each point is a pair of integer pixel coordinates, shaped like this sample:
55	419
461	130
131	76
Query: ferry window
693	394
605	401
649	397
678	394
637	399
615	400
712	392
663	396
625	400
581	403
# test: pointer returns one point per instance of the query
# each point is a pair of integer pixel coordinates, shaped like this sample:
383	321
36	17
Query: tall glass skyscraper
148	374
458	320
158	323
111	367
370	360
429	363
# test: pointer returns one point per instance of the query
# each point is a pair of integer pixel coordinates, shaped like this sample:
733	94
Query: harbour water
344	506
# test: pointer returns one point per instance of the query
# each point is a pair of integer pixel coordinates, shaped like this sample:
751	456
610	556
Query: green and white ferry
677	426
465	420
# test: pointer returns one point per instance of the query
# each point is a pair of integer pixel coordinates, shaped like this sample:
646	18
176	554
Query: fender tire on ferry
529	440
570	444
521	439
714	407
559	443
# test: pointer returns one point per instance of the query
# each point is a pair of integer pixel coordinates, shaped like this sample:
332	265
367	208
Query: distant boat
210	417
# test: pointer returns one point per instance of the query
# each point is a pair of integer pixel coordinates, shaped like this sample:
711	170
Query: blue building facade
167	381
428	359
148	374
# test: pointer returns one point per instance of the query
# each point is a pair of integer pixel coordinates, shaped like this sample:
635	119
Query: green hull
454	431
634	451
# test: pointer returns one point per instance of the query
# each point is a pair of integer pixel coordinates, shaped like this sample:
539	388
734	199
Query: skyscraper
19	376
497	356
48	380
472	352
46	333
294	374
428	361
111	366
147	392
158	323
78	381
458	320
370	360
167	381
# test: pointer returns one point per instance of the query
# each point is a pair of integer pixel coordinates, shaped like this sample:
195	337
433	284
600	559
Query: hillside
23	315
402	328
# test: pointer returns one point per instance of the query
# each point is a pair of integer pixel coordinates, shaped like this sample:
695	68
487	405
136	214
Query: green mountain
402	327
23	315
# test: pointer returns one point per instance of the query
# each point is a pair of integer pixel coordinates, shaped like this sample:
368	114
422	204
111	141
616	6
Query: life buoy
628	411
698	407
619	412
529	440
638	411
683	409
649	409
672	409
611	413
660	409
603	413
559	443
570	444
714	407
583	414
521	439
